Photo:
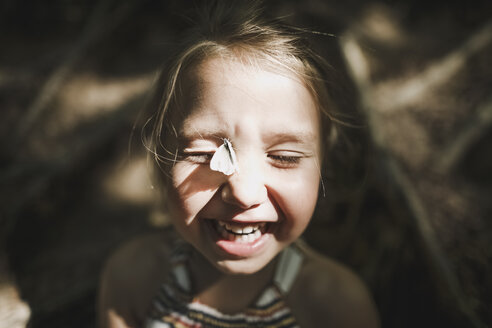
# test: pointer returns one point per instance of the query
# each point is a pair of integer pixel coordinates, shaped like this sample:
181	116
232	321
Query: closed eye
285	159
197	157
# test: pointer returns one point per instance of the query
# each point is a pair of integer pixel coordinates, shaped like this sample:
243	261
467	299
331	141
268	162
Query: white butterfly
224	159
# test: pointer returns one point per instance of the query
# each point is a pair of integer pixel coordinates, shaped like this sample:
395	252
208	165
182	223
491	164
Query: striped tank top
174	307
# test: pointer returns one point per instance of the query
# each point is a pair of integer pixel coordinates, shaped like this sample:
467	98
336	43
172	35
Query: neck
228	293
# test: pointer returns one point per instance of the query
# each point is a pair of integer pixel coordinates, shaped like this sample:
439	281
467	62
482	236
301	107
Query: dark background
415	225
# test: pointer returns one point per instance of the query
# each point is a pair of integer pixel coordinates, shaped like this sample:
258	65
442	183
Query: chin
239	267
245	266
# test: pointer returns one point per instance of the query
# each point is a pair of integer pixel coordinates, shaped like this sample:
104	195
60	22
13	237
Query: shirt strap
289	263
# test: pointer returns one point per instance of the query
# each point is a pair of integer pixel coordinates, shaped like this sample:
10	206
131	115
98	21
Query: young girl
242	124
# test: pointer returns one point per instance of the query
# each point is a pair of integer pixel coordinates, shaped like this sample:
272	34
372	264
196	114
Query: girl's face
242	221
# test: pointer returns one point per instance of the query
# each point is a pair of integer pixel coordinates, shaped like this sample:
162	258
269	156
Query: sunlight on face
241	221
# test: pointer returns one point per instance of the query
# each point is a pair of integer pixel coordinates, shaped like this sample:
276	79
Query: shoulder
131	277
335	295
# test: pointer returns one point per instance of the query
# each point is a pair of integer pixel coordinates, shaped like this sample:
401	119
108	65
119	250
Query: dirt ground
412	217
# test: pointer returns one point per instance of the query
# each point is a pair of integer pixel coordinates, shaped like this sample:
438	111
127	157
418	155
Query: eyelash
285	161
280	161
198	158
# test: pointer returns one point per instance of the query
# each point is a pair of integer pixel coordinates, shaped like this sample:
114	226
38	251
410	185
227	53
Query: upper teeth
240	228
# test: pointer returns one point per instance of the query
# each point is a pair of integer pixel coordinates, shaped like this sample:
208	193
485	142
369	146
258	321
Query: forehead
225	95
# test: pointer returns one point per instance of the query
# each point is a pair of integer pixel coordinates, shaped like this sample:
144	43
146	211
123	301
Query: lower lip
239	249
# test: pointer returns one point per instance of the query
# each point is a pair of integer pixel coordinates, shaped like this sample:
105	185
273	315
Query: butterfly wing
232	154
221	161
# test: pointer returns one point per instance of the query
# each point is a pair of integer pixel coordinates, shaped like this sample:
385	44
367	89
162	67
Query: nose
245	188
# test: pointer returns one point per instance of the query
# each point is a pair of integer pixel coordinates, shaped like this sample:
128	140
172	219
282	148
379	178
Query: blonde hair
238	30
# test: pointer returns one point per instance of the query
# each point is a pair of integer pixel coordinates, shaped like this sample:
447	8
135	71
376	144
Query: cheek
300	195
191	188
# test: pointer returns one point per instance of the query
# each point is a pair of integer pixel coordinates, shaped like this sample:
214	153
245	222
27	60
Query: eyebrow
299	137
204	134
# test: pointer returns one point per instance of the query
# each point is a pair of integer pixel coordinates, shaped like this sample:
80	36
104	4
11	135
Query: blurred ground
74	185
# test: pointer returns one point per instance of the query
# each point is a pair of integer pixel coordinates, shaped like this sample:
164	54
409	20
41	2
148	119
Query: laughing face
241	221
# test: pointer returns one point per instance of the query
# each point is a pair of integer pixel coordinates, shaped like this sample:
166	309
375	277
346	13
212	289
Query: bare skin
272	121
324	291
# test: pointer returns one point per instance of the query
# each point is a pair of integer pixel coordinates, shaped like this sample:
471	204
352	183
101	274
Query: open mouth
240	232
